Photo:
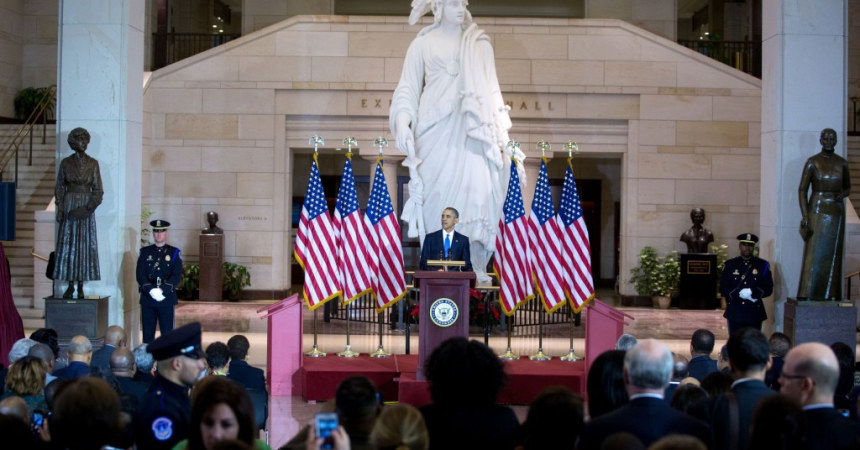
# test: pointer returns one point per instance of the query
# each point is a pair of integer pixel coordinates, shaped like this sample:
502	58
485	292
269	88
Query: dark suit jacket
748	395
101	358
738	274
131	388
247	375
700	366
434	248
647	418
771	377
74	370
827	429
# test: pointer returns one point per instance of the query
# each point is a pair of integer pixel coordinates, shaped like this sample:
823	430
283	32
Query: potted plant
719	250
189	286
655	276
236	276
28	99
668	279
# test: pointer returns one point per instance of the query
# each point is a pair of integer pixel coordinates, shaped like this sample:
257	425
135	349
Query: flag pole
347	352
315	352
540	355
380	142
571	355
508	354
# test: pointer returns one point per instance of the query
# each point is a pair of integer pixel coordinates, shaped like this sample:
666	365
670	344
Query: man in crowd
163	416
809	376
217	356
701	347
239	369
731	414
80	354
123	368
144	363
647	369
44	353
780	344
114	337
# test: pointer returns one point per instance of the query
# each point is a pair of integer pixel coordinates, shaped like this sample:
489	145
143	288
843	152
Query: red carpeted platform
395	377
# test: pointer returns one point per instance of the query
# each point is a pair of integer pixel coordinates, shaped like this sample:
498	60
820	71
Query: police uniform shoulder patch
162	428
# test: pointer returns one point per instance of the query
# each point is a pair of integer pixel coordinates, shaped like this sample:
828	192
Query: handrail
11	151
36	255
848	283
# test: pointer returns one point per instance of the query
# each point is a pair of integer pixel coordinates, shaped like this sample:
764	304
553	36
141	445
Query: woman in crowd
400	427
220	409
26	379
555	408
605	386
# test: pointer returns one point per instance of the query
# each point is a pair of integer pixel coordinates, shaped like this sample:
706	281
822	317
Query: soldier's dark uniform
164	413
738	274
158	267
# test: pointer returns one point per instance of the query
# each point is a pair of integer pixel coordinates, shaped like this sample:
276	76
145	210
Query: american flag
315	245
386	260
545	245
353	245
575	248
511	259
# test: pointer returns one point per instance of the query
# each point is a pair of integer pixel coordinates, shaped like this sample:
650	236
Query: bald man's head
115	336
80	349
122	362
810	374
15	406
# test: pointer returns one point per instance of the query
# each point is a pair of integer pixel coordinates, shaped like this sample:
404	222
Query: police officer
164	414
159	269
746	280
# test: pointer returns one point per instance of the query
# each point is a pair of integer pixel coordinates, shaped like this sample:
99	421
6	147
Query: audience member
123	367
49	337
465	377
15	406
44	353
810	377
622	441
114	337
80	354
26	379
723	362
779	344
86	415
144	363
163	417
16	432
691	400
679	372
841	398
217	356
239	370
701	347
19	350
220	409
555	408
778	424
749	354
401	427
625	341
357	405
678	442
647	369
717	383
605	385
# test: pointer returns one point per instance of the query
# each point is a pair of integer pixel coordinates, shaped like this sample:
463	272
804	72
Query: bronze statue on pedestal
697	237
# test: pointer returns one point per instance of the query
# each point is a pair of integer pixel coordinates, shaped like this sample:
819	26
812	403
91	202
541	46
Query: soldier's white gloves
157	294
746	293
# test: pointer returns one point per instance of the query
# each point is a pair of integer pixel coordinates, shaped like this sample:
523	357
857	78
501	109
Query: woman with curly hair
220	409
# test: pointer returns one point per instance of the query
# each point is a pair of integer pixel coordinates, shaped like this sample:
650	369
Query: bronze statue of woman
78	193
822	226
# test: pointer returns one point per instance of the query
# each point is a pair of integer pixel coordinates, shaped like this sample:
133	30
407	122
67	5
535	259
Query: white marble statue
448	115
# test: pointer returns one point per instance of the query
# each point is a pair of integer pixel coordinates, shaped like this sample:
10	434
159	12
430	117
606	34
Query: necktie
447	244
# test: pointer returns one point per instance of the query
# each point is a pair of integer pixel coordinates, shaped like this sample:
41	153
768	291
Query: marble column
804	89
100	88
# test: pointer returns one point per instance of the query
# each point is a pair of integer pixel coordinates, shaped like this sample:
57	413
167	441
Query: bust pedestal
698	287
211	267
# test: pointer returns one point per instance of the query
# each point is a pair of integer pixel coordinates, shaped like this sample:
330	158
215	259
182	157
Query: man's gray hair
648	364
143	358
80	345
625	342
20	349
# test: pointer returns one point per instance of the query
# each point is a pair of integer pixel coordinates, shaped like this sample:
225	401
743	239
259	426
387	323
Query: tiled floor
289	414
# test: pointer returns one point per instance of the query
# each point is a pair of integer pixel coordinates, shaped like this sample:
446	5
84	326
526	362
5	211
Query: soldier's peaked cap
748	238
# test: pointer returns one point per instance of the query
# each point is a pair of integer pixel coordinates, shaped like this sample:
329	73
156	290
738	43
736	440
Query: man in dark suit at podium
446	244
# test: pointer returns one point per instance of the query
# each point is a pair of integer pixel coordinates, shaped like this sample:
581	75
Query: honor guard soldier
746	280
159	269
164	414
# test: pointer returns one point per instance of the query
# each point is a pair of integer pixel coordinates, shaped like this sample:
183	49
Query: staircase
34	192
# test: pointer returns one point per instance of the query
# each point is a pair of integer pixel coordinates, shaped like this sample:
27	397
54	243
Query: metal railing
742	55
11	150
169	48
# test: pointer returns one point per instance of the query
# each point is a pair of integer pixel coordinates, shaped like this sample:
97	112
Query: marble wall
11	41
221	128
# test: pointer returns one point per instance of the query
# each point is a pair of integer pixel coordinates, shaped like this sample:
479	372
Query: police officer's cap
183	341
748	238
159	225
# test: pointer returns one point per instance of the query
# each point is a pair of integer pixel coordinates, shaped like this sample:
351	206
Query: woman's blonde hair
400	427
27	376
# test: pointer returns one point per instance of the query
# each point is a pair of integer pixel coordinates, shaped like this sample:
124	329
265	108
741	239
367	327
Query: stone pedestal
77	316
211	267
698	287
825	322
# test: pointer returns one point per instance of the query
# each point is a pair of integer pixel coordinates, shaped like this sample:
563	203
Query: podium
444	310
603	326
284	352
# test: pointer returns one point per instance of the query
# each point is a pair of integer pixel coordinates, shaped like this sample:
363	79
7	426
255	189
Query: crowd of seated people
173	395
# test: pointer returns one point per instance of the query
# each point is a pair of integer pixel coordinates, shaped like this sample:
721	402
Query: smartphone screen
325	423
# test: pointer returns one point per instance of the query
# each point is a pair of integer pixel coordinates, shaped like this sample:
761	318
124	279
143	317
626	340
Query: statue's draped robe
79	184
460	122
